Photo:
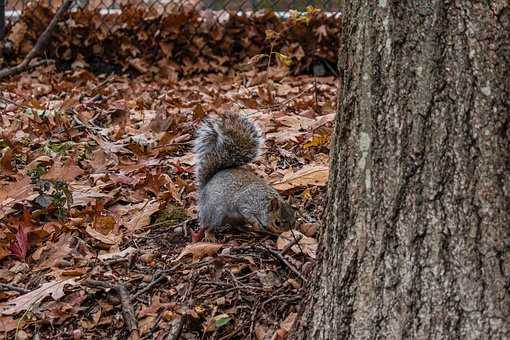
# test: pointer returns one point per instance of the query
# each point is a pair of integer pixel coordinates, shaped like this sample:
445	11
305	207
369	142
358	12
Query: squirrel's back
222	143
227	192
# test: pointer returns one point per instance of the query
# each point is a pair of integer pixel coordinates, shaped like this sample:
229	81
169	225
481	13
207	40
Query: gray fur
227	193
228	142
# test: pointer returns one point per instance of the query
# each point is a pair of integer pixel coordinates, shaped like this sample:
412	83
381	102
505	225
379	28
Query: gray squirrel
227	192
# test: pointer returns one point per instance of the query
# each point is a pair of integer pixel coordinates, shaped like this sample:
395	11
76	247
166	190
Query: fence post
2	20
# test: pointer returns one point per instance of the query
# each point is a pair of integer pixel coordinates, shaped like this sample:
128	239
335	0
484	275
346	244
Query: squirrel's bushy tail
226	142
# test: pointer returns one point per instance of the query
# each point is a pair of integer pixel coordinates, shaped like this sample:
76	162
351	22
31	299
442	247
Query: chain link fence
12	9
203	35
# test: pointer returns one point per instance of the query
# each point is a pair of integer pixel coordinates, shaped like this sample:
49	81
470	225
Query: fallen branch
175	330
157	280
39	45
128	313
7	287
127	308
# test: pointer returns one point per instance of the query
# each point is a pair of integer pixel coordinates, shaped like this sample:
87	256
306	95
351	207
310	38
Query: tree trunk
416	236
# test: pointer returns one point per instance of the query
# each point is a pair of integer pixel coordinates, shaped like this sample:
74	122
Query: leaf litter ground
97	202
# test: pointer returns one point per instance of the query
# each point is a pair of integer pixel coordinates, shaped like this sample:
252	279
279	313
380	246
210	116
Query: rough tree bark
416	238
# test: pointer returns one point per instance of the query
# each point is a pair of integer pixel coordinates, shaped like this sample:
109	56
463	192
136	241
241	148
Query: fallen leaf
260	332
309	229
221	320
84	194
288	322
63	172
19	246
317	140
17	34
4	252
110	239
140	215
307	244
309	175
199	250
7	324
117	254
286	60
145	325
54	289
22	189
5	162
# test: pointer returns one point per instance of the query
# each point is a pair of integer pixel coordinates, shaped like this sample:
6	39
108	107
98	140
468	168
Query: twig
171	144
291	243
177	324
98	86
39	45
333	71
174	226
125	301
315	93
127	307
253	315
269	61
116	261
175	328
287	263
10	101
154	282
150	334
6	287
288	100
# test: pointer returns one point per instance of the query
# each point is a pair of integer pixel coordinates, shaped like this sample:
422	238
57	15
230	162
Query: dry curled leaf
199	250
109	239
309	175
66	172
286	325
307	244
55	289
7	324
19	246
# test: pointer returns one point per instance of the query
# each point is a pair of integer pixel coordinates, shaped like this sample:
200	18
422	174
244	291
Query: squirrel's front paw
197	236
202	234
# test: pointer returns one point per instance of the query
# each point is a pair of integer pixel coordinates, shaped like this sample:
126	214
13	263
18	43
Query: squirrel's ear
274	204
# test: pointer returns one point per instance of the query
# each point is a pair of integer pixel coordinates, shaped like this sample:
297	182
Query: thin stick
149	286
177	324
10	101
128	313
292	242
39	45
175	328
287	263
288	100
7	287
127	307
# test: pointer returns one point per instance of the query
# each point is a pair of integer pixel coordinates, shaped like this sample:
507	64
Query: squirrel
227	192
